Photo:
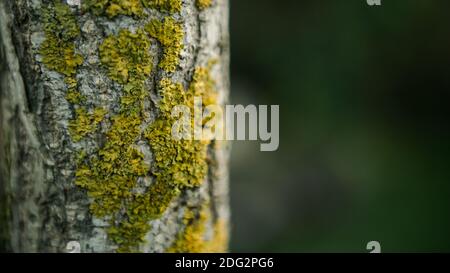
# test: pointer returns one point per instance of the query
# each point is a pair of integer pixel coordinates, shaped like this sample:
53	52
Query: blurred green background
364	96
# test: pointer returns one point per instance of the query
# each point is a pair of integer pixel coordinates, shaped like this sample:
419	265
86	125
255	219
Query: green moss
170	34
203	4
85	123
127	56
112	8
172	6
58	49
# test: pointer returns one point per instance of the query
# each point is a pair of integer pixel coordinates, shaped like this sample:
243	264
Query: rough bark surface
41	208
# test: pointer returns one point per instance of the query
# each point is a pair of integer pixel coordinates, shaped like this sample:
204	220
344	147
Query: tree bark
43	205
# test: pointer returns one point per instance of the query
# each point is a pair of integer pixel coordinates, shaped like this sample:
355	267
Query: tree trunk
86	157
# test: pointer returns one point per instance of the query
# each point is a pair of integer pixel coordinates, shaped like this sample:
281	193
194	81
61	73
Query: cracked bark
41	209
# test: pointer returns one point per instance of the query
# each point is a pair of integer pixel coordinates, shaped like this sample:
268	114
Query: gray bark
41	209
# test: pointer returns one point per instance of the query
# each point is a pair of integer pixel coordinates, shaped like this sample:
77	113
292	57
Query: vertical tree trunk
85	154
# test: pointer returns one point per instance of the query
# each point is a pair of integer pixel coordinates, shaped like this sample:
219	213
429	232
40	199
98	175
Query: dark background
364	151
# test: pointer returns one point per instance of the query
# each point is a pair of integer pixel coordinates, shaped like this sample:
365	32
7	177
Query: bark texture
42	209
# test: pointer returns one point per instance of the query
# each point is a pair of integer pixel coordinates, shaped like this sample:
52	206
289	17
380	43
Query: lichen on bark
172	6
113	8
107	125
204	4
170	34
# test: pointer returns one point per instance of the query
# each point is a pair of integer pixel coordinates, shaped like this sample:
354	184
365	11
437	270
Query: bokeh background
364	94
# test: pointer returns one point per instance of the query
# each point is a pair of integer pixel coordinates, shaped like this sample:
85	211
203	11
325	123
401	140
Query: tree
86	154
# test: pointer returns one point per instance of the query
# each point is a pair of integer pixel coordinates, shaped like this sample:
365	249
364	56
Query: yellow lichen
172	6
177	165
181	163
219	242
170	34
203	4
112	175
203	85
193	239
177	162
58	48
73	95
85	123
113	8
127	56
59	55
